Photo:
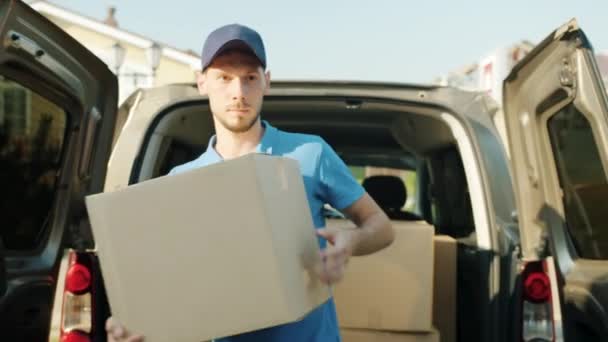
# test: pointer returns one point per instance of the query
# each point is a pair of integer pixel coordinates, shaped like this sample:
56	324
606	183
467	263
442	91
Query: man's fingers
331	268
332	276
322	272
118	333
114	328
136	338
327	234
333	253
110	322
319	270
335	256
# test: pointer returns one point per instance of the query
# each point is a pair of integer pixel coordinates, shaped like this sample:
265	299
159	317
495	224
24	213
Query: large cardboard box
391	289
362	335
212	252
444	297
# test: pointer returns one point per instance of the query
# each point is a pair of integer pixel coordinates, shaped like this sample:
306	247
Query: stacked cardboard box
367	335
190	257
390	295
444	287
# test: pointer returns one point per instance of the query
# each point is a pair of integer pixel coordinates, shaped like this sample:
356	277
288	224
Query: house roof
48	8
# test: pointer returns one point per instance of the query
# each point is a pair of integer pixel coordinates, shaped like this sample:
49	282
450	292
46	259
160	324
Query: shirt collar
268	139
264	146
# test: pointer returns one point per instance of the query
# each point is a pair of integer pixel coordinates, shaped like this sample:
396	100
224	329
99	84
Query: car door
57	113
556	111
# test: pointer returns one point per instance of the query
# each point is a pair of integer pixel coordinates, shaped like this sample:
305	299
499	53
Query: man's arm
373	233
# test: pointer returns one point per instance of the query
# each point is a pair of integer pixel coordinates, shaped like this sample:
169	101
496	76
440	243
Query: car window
407	176
32	131
583	181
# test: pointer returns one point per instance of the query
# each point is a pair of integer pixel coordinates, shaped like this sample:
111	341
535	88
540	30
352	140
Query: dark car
528	216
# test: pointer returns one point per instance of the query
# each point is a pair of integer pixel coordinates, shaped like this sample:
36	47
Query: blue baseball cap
229	37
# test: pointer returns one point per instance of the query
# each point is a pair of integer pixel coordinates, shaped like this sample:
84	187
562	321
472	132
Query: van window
32	131
407	176
583	181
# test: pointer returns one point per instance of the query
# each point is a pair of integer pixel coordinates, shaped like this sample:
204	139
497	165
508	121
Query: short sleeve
338	187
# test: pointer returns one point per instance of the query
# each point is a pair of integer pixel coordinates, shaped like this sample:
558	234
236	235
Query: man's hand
340	246
374	230
373	233
118	333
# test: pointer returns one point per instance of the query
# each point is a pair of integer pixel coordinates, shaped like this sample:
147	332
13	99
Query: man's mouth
239	110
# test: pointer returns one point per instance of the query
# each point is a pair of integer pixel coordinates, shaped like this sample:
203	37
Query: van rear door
57	111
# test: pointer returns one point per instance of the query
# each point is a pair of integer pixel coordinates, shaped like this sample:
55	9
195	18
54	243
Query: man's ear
267	77
201	78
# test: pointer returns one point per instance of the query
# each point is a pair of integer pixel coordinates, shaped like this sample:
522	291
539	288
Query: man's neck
231	145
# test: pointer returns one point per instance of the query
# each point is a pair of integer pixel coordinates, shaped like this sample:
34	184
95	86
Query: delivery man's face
235	84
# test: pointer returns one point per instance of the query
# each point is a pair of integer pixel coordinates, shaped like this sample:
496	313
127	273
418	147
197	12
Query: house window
14	114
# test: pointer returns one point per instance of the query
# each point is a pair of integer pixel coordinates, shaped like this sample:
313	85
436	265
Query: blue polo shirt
327	180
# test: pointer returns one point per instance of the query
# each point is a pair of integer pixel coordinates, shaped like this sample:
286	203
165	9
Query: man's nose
239	88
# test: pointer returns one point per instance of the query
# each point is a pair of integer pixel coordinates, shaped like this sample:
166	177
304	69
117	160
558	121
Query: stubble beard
241	126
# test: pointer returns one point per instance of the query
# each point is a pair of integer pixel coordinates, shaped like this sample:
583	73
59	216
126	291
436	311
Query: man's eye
224	78
252	77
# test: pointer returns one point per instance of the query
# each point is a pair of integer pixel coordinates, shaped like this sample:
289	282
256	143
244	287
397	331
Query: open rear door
556	111
57	112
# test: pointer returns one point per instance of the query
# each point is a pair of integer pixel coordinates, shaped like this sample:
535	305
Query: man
235	79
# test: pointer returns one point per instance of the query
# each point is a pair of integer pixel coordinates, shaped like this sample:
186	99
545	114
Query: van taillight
78	278
76	316
537	312
537	288
75	336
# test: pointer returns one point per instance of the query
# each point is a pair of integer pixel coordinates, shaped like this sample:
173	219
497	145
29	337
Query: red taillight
78	278
77	310
537	287
537	311
75	336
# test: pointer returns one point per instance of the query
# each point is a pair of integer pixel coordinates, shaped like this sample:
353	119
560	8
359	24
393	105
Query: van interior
386	138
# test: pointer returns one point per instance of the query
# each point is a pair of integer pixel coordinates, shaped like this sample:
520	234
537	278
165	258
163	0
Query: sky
375	40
